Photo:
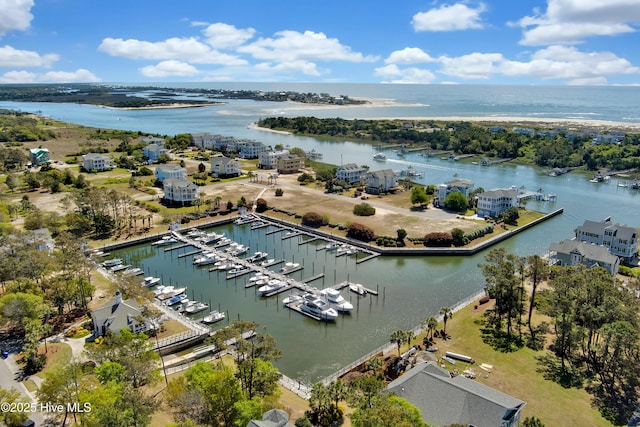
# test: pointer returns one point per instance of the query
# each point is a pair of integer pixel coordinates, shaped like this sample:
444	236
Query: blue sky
568	42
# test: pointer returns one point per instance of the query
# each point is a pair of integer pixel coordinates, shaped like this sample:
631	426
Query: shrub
441	239
458	237
360	232
261	205
312	219
279	192
364	209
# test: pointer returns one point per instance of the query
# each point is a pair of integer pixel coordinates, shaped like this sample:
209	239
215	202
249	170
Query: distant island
153	97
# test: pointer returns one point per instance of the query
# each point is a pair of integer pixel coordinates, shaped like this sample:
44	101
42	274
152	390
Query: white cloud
572	21
224	36
79	76
185	49
11	57
290	46
472	66
409	55
169	68
393	74
305	67
18	77
15	15
453	17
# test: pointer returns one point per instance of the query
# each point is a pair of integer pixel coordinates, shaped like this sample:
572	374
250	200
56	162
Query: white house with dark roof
621	240
493	202
445	400
117	314
225	166
167	171
574	252
180	190
351	173
463	186
381	181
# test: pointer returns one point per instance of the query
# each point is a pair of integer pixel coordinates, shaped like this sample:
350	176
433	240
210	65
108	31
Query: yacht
267	262
257	256
197	307
170	293
150	281
345	250
291	299
207	258
213	237
166	240
272	286
288	267
119	267
178	298
244	220
336	300
257	277
112	263
318	307
380	156
133	271
213	317
332	246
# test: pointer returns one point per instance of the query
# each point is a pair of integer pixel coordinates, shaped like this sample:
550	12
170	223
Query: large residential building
463	186
381	181
119	314
493	202
167	171
250	149
153	151
269	159
445	400
289	163
621	240
225	166
351	173
96	162
203	140
574	252
39	156
152	140
180	191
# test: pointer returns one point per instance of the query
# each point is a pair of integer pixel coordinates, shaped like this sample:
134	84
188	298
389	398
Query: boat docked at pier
257	256
288	267
196	307
150	281
166	240
318	307
112	263
358	289
213	317
271	286
336	300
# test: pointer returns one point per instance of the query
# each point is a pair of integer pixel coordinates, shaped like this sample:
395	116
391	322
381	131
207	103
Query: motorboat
258	277
380	157
150	281
332	246
208	238
291	299
207	258
170	293
267	262
162	289
336	300
186	303
358	289
195	233
272	286
244	220
134	271
257	256
225	265
213	317
112	263
318	307
119	267
288	267
197	307
176	299
345	250
166	240
239	250
239	268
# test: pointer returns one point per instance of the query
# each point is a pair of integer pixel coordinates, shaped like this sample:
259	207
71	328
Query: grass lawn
58	356
517	374
171	327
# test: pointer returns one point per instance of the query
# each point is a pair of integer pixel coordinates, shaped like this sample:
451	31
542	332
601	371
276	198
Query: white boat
119	267
291	299
257	224
332	246
170	293
272	286
257	256
135	271
213	317
244	220
225	265
345	250
357	288
195	233
196	308
186	303
213	237
240	250
318	307
112	263
380	157
267	262
206	259
178	298
259	276
166	240
150	281
239	268
336	300
289	266
162	289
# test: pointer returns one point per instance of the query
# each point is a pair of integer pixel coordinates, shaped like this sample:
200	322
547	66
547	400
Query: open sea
411	288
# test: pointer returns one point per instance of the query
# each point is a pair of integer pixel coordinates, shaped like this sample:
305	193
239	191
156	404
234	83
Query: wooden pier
313	278
367	258
197	251
289	236
278	230
313	239
174	247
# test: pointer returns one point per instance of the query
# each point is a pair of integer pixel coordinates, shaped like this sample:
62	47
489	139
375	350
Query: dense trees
419	196
456	201
360	232
313	219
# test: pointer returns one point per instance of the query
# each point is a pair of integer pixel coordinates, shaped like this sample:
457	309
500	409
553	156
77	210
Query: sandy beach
166	106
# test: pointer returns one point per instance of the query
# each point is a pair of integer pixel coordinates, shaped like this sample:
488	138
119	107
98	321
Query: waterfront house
225	166
250	149
493	202
268	159
166	171
96	162
152	140
118	314
351	173
621	240
39	156
382	181
289	163
574	252
180	191
445	400
152	151
524	131
463	186
203	140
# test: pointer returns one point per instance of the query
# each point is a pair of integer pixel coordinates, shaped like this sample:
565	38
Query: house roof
382	174
178	182
589	251
221	160
115	316
94	156
155	148
444	400
459	183
620	231
350	166
169	168
272	418
499	193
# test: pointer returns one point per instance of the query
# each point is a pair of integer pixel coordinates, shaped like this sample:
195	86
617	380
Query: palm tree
446	314
430	323
337	391
374	364
398	338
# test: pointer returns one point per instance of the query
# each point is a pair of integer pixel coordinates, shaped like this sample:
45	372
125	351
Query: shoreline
171	106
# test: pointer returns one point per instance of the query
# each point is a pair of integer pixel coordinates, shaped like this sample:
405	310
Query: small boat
135	271
162	289
239	268
195	233
336	300
176	299
171	293
257	256
150	281
208	238
380	157
112	263
288	267
119	267
272	286
244	220
258	277
358	289
166	240
186	303
345	250
332	246
226	266
213	317
318	308
291	299
267	262
196	308
207	258
290	233
257	224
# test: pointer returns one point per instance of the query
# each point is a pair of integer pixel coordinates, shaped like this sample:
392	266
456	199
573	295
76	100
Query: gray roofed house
117	314
574	252
381	181
272	418
493	202
621	240
444	400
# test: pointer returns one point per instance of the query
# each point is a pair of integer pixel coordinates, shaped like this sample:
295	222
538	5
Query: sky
530	42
